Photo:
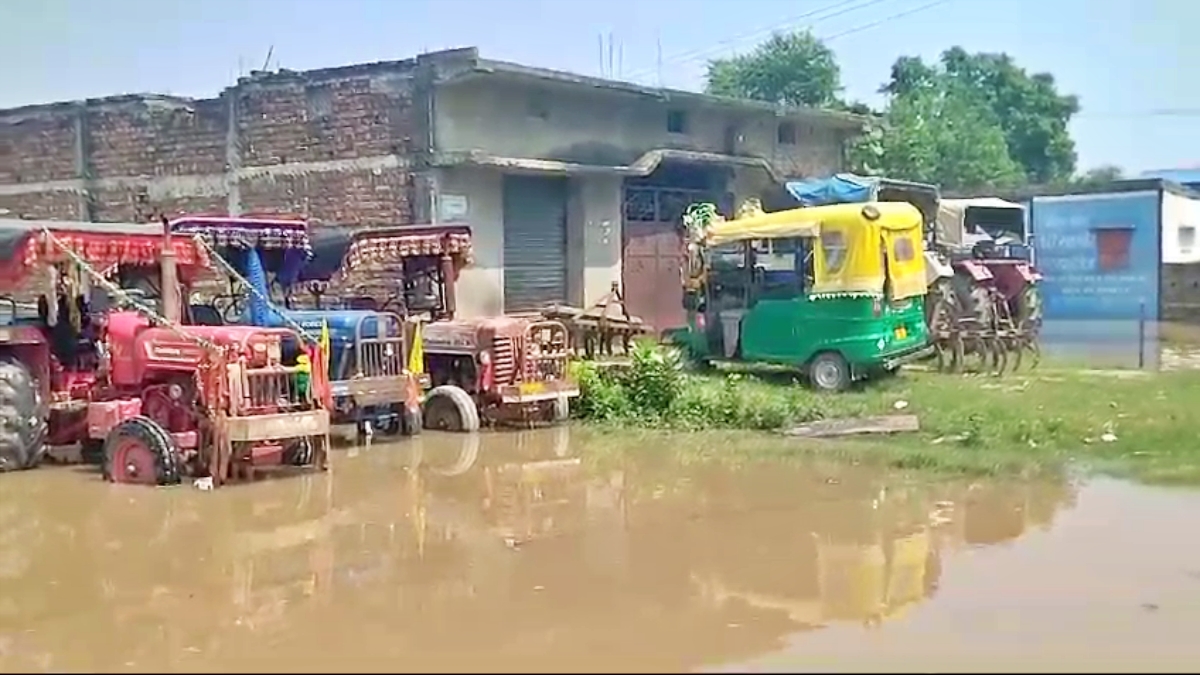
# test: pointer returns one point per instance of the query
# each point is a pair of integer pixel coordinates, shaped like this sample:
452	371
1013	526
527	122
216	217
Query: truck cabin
982	227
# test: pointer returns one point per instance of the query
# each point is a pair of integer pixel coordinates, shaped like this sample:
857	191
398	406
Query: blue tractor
376	380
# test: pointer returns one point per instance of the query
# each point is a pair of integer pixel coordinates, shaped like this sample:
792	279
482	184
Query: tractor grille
504	360
382	357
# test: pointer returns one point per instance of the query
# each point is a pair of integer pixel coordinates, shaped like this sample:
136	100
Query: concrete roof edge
494	67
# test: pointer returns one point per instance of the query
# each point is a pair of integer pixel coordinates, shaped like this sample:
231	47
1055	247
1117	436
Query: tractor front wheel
140	451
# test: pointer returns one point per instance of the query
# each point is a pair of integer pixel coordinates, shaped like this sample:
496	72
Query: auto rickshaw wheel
449	408
139	450
829	372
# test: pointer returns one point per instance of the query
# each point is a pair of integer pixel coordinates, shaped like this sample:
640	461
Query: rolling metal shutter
535	242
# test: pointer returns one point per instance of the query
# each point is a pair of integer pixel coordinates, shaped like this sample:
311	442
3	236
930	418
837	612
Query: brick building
569	182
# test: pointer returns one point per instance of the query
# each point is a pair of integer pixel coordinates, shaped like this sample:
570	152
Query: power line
886	19
1161	112
834	9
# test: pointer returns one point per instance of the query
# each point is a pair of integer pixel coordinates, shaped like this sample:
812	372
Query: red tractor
143	393
505	368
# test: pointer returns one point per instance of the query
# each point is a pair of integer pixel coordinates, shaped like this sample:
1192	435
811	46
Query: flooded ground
509	552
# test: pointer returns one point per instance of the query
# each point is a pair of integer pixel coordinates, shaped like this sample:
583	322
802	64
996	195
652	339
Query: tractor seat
206	315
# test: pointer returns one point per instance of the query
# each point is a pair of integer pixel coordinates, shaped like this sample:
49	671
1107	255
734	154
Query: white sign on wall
453	208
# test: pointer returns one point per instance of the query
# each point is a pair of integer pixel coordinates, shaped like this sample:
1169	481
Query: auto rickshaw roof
25	246
807	222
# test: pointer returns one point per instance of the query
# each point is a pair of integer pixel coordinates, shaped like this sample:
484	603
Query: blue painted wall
1075	287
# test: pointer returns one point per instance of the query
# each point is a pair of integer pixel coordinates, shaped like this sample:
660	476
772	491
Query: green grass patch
1128	423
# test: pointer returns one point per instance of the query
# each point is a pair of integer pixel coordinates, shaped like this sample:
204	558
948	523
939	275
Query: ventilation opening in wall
318	103
786	133
677	122
1187	239
538	106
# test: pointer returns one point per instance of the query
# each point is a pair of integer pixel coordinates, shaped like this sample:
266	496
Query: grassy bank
1135	424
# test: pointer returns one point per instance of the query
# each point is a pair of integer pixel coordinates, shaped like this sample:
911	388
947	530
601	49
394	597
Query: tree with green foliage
944	136
1099	175
1028	108
968	121
794	68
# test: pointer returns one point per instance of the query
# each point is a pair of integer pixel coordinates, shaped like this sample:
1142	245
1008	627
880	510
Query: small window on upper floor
677	122
537	106
786	133
1187	238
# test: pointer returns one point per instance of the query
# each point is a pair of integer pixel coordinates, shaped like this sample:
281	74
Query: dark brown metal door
653	252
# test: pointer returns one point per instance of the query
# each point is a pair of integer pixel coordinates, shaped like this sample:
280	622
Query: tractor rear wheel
22	418
449	408
941	305
1027	313
140	451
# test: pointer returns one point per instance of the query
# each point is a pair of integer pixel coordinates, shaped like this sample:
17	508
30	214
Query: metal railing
264	391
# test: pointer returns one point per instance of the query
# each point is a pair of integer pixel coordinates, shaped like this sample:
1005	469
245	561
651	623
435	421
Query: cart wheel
138	450
449	408
829	372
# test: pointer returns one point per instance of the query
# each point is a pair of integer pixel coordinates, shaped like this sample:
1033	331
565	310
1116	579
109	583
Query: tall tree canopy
1028	108
794	68
944	136
969	120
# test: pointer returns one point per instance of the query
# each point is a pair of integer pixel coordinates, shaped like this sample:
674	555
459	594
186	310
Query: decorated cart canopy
247	232
391	245
27	245
341	251
847	260
276	245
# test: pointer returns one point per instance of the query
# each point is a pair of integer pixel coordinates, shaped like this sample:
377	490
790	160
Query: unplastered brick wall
334	145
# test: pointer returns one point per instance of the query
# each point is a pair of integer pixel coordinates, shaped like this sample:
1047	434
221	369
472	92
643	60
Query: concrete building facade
570	183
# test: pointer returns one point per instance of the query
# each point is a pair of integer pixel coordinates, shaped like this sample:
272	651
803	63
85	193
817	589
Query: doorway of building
652	250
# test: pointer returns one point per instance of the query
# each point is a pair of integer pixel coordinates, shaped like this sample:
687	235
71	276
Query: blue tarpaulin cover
842	188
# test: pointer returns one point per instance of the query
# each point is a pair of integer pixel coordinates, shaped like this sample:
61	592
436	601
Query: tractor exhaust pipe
170	277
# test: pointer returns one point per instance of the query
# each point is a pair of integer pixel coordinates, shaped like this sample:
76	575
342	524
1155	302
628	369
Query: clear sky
1123	58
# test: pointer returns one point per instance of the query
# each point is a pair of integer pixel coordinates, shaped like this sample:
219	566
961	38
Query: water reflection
496	552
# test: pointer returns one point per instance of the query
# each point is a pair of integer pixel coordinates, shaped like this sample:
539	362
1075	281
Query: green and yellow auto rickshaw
834	290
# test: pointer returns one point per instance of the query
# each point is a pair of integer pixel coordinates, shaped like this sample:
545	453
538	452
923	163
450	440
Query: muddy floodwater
530	551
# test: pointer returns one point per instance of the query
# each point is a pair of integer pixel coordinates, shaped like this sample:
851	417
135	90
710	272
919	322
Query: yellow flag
325	351
416	354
